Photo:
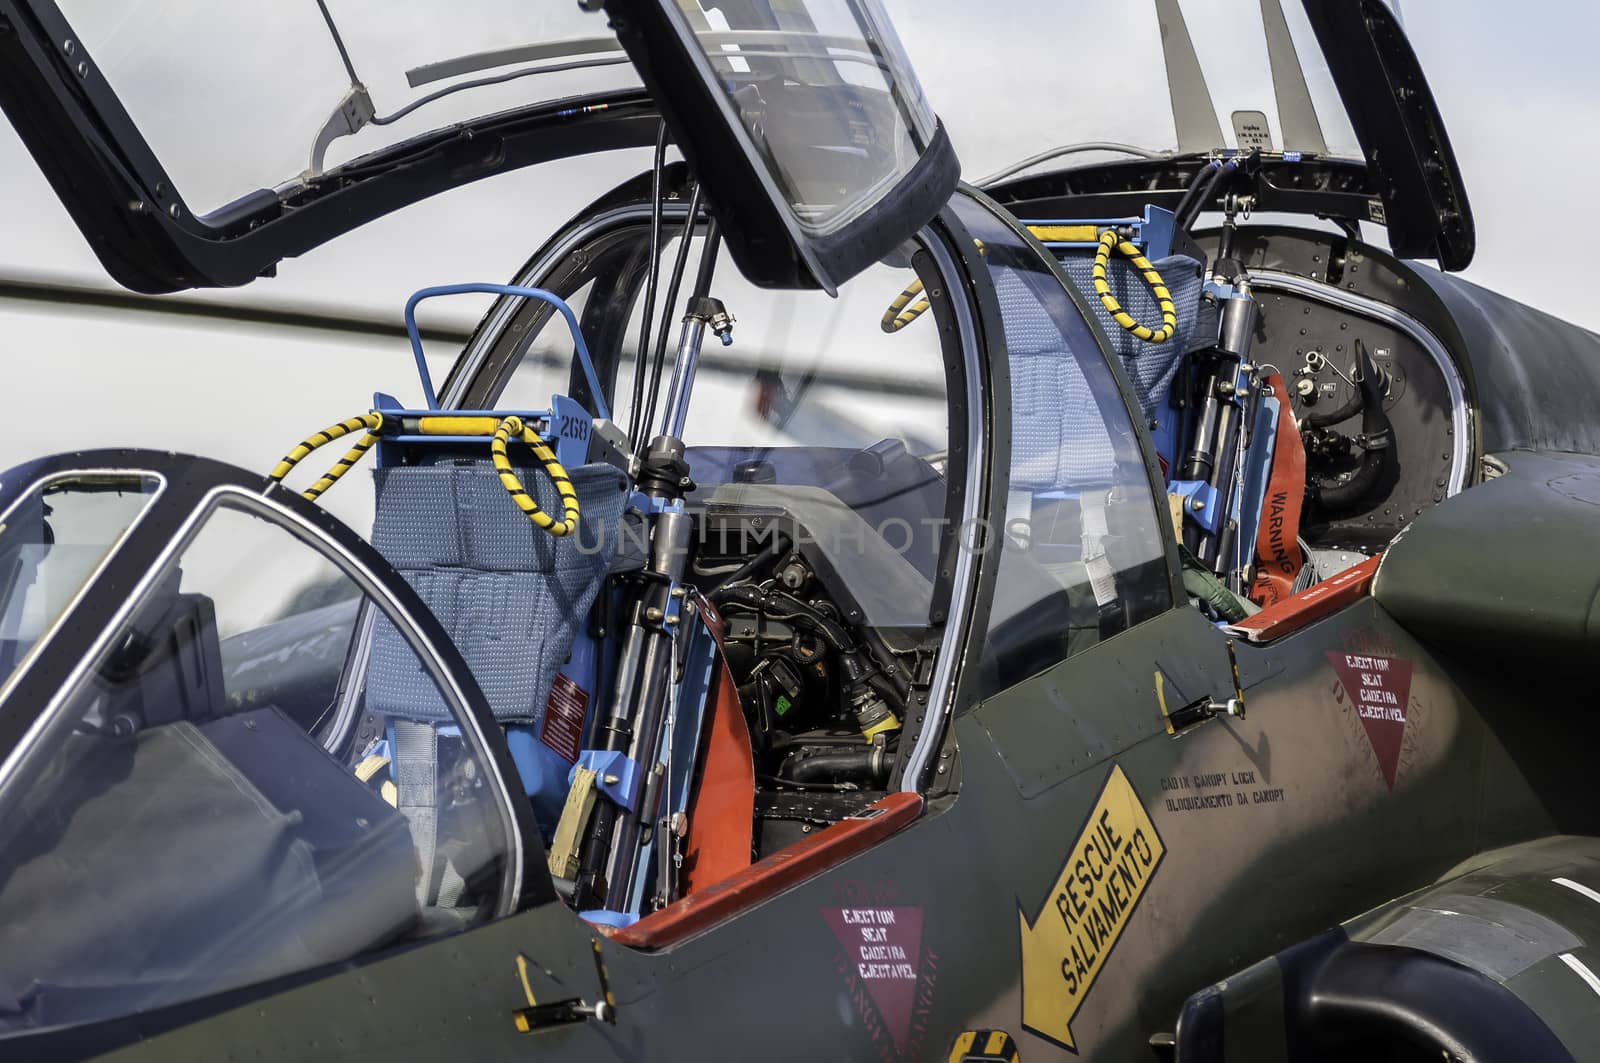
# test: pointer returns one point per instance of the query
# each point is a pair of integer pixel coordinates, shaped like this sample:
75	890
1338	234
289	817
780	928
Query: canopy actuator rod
703	311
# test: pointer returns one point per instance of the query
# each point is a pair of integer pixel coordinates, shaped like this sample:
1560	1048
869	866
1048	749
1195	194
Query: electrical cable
639	426
1182	223
659	358
1192	193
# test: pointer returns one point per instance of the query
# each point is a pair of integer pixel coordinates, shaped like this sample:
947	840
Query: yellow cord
503	432
513	426
1169	314
340	467
902	311
372	422
907	307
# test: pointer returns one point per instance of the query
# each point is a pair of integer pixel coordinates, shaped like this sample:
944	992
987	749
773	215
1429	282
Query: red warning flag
1278	557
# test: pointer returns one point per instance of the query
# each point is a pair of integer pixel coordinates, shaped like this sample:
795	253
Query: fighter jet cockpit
658	578
769	467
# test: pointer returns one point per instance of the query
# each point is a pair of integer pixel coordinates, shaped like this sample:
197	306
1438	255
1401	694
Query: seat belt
1096	529
416	766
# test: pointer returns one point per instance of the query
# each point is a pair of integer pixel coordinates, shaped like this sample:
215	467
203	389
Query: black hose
708	259
881	652
1355	405
774	550
782	606
1193	191
1379	439
1185	222
848	765
639	424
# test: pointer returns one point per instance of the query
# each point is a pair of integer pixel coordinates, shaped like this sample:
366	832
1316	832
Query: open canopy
196	147
1334	81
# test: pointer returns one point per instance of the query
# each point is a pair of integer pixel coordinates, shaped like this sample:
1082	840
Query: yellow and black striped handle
1109	240
513	427
903	311
372	422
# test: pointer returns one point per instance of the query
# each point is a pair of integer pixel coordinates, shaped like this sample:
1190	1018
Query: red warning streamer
1278	557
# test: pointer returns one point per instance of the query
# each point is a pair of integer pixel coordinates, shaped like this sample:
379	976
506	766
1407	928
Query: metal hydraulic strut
631	733
1227	401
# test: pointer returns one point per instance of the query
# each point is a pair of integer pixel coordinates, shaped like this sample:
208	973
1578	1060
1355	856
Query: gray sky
1009	79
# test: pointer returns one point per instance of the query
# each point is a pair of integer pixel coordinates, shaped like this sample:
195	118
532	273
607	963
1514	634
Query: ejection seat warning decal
1066	943
1379	689
885	961
564	710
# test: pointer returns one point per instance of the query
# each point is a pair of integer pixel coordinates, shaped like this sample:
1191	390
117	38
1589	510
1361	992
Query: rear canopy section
1402	134
1326	93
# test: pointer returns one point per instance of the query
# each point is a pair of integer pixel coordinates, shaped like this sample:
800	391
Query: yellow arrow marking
1065	945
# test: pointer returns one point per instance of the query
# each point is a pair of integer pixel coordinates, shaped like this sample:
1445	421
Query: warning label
1379	688
564	710
883	946
1065	945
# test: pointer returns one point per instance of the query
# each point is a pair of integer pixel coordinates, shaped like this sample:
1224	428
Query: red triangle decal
884	949
1379	689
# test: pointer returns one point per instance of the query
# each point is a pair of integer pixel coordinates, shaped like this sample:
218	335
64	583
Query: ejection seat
513	599
1153	369
1069	472
1150	368
516	601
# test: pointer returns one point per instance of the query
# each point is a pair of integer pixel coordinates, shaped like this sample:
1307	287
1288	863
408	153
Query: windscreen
824	92
52	540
